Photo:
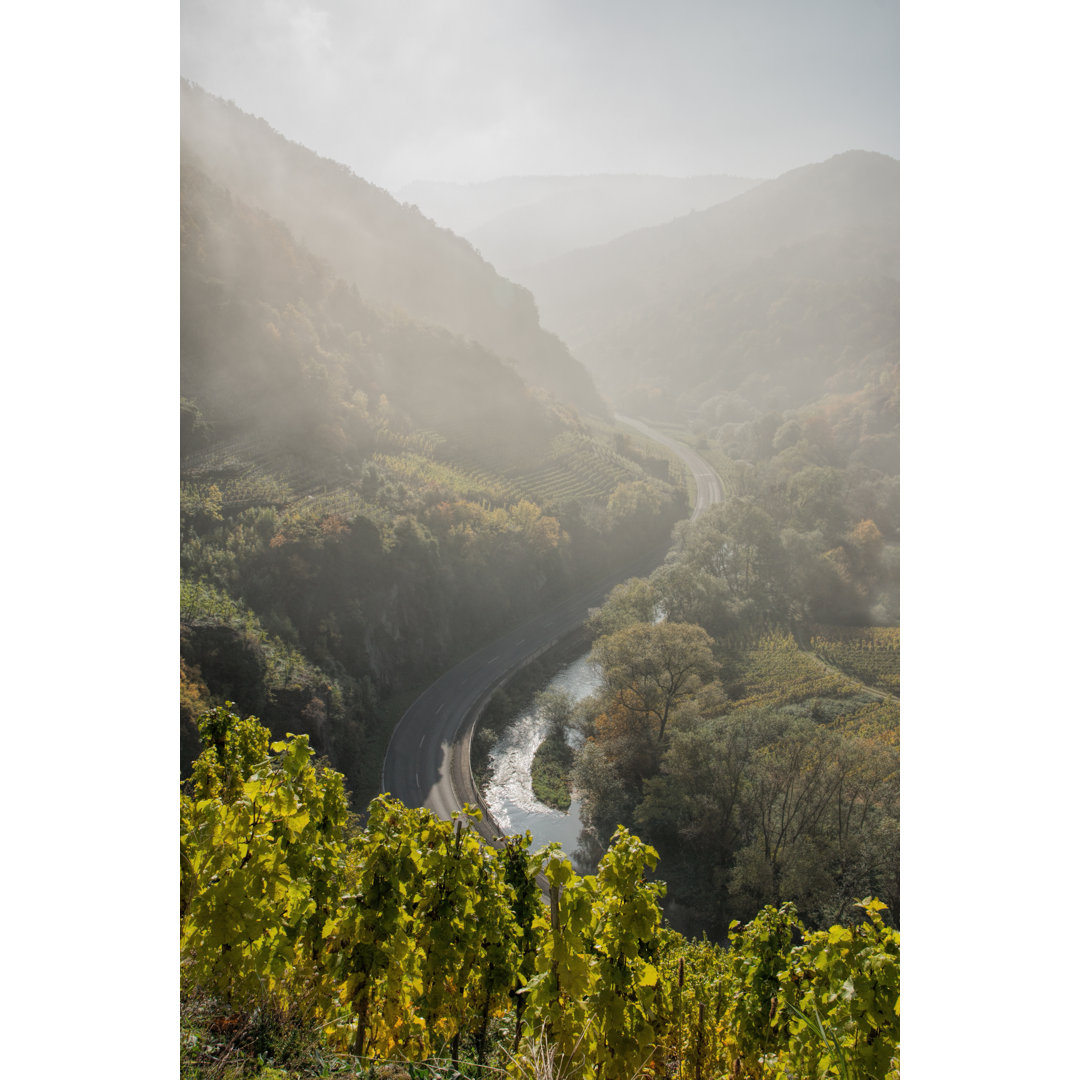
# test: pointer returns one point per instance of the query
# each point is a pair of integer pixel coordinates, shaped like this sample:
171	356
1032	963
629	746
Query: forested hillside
364	497
770	301
390	252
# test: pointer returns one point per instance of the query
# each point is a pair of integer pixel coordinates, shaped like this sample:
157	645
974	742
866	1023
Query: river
509	795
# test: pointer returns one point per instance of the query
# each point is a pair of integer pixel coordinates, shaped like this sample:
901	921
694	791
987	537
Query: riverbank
508	702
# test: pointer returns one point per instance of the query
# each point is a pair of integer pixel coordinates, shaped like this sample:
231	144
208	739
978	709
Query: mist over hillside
392	253
518	221
779	296
364	494
274	346
539	539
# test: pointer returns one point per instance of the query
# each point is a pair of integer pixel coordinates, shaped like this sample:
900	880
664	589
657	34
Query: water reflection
509	795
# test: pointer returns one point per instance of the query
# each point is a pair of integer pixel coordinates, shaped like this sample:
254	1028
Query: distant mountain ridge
516	222
770	293
392	253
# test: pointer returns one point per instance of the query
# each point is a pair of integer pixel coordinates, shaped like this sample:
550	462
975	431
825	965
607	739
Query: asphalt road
427	761
709	488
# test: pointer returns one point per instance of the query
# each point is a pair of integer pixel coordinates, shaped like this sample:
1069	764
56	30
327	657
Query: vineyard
423	474
411	940
250	473
870	654
771	671
875	719
262	472
577	466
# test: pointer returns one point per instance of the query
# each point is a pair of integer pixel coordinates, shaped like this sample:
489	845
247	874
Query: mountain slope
770	294
392	253
273	346
517	222
363	496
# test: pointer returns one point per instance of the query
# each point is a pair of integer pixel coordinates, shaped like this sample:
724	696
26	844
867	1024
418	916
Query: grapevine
408	937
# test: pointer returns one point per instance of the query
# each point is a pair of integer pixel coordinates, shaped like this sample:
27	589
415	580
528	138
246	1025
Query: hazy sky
404	90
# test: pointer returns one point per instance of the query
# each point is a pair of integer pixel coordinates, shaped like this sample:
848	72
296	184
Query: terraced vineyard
424	474
251	473
254	472
773	672
870	654
577	467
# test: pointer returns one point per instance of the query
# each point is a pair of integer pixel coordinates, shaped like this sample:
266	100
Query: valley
641	425
440	777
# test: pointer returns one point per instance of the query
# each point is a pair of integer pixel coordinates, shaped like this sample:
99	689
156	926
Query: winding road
709	488
427	760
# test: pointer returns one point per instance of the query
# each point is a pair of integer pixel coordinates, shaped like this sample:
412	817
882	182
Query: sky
468	90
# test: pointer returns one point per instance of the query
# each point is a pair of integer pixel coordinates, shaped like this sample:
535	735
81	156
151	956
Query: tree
690	811
821	810
556	708
629	602
686	595
651	667
816	494
607	797
738	543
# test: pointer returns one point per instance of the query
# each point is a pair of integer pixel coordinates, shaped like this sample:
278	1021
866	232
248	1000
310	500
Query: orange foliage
333	525
620	721
866	535
194	693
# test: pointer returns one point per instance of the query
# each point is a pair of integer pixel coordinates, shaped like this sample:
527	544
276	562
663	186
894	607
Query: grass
267	1043
551	771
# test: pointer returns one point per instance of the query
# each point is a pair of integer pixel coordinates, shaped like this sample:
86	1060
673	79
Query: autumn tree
649	668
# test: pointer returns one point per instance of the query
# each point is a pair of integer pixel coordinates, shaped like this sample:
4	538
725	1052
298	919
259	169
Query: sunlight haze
468	90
